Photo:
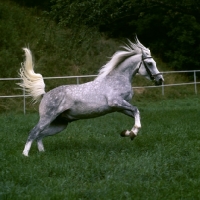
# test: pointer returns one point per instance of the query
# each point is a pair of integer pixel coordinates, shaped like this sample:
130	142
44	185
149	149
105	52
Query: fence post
195	82
163	92
77	80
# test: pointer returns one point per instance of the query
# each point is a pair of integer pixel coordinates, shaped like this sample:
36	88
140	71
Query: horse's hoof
25	153
132	135
123	133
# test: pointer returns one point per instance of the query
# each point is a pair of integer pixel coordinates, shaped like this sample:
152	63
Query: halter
152	76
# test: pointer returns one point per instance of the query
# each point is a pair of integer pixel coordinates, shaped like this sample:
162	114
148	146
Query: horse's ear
143	54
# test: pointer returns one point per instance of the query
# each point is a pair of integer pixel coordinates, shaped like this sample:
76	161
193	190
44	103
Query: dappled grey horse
110	92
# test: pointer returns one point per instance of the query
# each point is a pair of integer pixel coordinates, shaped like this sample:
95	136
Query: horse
110	91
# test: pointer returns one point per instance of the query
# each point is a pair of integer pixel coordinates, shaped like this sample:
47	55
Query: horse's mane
129	49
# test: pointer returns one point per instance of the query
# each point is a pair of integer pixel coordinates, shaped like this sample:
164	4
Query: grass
89	160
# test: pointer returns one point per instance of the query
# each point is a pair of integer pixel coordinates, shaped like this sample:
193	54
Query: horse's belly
84	112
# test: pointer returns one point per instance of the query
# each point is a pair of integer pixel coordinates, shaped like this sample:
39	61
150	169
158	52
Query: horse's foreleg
134	131
137	124
132	111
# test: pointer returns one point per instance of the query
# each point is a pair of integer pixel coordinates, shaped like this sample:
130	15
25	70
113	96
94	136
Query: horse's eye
149	63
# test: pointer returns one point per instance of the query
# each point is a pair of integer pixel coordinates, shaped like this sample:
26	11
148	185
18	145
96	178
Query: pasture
89	160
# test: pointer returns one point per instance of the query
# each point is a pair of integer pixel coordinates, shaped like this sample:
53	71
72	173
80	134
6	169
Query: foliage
57	51
17	29
171	28
86	162
44	4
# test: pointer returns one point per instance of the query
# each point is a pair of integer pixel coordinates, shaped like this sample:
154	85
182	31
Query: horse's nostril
159	81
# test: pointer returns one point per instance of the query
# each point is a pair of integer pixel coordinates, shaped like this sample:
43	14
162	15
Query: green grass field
89	160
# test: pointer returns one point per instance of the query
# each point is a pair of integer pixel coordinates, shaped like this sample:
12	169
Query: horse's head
147	68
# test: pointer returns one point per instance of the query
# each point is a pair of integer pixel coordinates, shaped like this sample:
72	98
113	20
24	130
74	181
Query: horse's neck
123	73
126	69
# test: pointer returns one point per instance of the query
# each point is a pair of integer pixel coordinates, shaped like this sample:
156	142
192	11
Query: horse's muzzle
158	79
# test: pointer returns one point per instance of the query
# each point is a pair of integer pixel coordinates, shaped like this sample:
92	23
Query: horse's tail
33	83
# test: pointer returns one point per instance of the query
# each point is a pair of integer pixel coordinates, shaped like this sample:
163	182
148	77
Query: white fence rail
24	95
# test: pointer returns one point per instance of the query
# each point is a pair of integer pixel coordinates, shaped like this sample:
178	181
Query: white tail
32	82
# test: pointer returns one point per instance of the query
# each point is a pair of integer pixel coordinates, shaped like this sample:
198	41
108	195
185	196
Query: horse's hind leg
55	127
41	130
32	135
42	124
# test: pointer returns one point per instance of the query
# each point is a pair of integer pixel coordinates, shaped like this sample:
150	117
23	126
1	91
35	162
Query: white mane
130	49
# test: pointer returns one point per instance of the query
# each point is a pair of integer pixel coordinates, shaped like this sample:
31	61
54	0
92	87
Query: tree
171	28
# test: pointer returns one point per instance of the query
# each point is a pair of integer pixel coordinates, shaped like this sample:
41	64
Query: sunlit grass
89	160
